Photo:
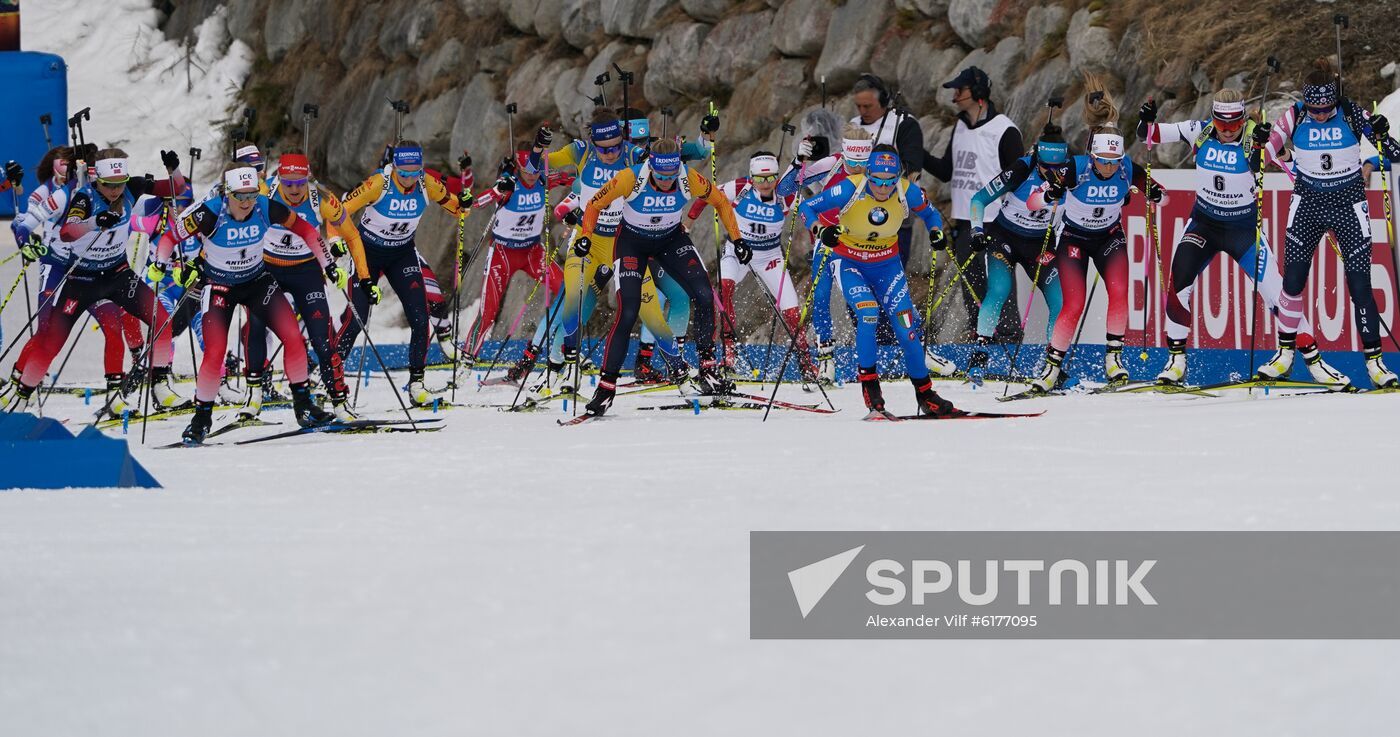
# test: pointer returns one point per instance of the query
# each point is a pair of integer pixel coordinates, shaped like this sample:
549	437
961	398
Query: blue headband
408	156
1052	152
604	131
1320	95
641	128
883	164
666	163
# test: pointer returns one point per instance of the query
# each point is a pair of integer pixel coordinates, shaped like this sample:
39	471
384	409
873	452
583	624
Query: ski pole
383	366
309	112
714	179
801	325
400	108
140	358
510	127
1083	320
53	383
463	206
1339	22
1030	301
46	120
773	325
42	303
1271	66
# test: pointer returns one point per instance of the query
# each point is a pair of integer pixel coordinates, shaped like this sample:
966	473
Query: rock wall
458	61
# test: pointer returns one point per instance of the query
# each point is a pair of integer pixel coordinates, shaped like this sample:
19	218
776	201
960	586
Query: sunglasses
1321	110
407	173
883	182
293	182
113	182
244	196
764	178
1229	125
615	148
658	176
1106	162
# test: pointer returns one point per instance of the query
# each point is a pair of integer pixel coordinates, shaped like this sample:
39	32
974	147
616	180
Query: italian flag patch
905	318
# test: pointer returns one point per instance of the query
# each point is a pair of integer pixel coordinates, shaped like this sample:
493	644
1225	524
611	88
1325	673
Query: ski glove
21	233
340	276
829	235
743	252
170	159
338	248
33	250
1380	127
464	162
573	217
937	240
107	219
186	274
370	288
709	124
505	185
543	137
1148	112
804	149
981	241
1154	192
1261	133
582	245
14	172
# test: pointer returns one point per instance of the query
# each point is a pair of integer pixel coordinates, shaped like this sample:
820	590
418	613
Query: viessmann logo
978	583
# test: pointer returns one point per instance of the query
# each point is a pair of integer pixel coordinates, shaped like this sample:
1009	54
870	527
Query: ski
974	415
880	415
176	411
351	427
578	420
815	408
721	403
1033	394
237	424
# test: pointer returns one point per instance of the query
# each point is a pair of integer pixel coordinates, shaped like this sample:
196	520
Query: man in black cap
983	145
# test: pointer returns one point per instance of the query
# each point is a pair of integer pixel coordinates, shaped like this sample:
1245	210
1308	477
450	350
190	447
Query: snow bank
143	94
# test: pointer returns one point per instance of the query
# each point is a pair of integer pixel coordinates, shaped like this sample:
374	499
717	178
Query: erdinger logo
1064	582
879	215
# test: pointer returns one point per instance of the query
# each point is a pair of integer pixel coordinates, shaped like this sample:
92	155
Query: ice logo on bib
879	215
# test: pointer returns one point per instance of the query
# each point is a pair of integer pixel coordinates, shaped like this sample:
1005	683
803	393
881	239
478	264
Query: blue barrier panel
37	84
40	453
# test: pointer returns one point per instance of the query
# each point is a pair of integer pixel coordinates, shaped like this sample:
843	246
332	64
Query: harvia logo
1063	581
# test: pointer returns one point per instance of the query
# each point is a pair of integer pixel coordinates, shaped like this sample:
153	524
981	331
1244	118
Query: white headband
245	151
1227	110
1108	146
244	177
764	164
111	168
855	150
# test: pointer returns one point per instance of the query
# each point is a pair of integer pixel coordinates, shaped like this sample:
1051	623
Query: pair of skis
352	427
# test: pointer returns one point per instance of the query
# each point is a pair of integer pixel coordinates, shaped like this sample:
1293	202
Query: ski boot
928	400
252	406
164	396
450	353
522	368
1050	376
938	365
977	363
115	398
811	376
418	394
198	428
1175	371
340	403
1113	368
7	387
826	362
1381	377
308	413
22	398
710	382
1321	371
1279	366
603	397
643	373
870	392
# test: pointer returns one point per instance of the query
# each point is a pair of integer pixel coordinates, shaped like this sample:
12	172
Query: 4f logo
1074	252
70	306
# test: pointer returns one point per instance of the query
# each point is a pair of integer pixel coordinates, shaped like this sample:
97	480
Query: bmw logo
879	215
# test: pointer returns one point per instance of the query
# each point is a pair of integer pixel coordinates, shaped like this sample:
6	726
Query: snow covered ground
507	576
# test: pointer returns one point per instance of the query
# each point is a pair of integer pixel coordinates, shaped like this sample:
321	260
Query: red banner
1221	304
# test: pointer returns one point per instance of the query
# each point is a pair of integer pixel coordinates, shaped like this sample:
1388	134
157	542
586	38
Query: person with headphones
887	124
984	144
